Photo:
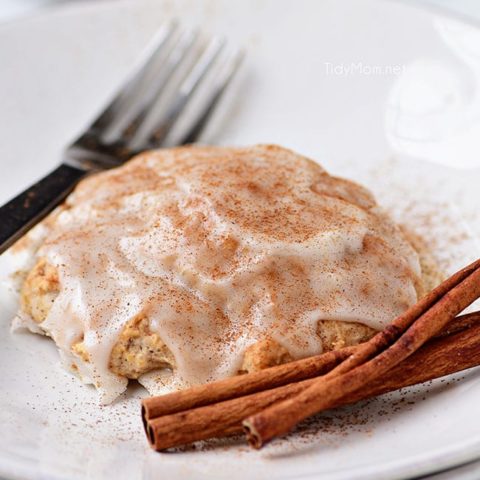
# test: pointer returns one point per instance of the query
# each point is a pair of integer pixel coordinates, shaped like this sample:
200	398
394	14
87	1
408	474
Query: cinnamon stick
241	385
401	323
266	379
449	353
434	312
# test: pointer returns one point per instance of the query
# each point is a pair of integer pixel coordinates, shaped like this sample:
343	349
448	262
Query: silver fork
154	108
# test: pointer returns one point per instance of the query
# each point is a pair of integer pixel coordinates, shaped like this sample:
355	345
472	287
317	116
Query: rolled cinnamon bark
269	378
326	391
449	353
241	385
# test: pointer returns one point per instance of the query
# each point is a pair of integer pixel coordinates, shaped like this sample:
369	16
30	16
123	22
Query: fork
169	99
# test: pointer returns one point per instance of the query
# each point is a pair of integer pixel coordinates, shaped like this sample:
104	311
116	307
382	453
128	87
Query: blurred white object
466	8
433	111
11	9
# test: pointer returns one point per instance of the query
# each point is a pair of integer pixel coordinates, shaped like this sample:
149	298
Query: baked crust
263	354
40	290
139	350
336	334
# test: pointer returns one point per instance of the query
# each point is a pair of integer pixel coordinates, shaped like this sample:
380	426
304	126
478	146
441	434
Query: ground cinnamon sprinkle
232	253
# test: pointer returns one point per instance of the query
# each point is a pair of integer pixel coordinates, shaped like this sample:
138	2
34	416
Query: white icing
220	247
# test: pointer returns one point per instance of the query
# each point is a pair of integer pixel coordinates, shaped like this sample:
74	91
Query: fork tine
153	136
133	117
164	97
130	87
195	130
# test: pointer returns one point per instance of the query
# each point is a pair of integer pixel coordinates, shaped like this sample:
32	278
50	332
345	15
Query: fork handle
29	207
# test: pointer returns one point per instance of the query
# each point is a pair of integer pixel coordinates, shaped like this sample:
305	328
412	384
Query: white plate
366	87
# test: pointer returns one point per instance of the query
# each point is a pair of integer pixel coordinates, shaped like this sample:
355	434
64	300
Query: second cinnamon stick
272	377
439	357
